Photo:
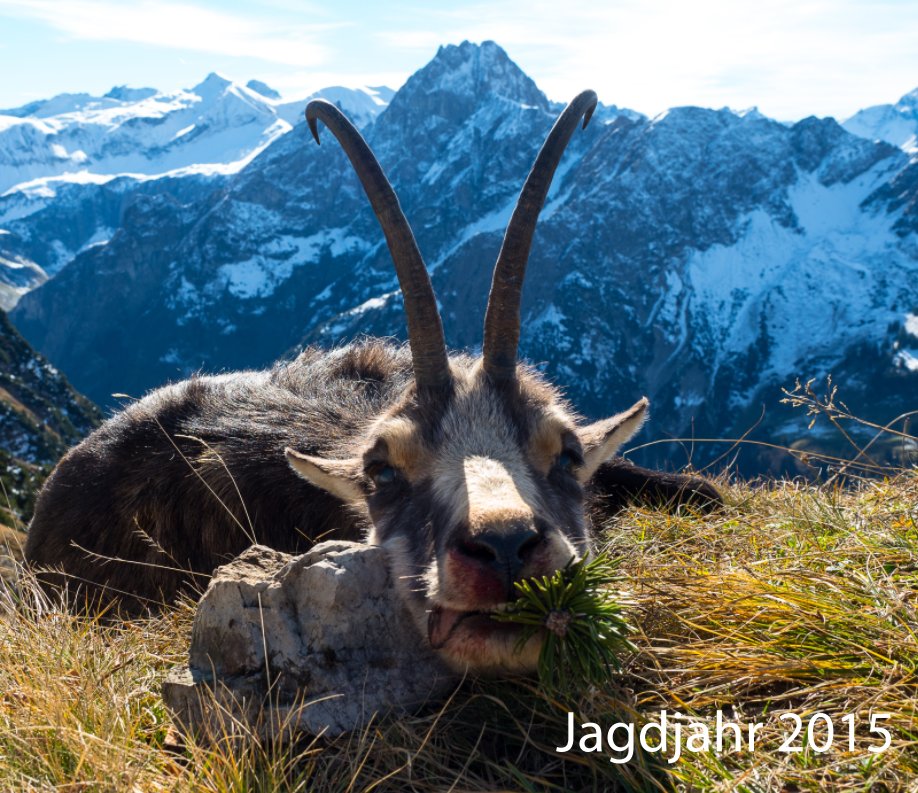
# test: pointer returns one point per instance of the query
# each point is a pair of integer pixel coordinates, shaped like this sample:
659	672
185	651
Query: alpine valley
706	258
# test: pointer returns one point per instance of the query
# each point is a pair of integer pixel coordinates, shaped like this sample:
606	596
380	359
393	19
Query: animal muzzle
478	572
481	566
491	560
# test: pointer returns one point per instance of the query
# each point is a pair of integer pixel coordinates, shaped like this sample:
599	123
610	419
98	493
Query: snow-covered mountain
216	127
896	124
70	165
704	257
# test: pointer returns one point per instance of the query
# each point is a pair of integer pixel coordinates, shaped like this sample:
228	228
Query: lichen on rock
316	643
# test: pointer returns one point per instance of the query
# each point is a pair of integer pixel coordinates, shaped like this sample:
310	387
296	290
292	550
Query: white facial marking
493	487
480	466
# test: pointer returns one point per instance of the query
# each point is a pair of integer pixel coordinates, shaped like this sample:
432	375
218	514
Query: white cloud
421	40
181	26
791	57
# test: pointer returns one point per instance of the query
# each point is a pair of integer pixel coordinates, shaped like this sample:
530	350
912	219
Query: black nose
506	549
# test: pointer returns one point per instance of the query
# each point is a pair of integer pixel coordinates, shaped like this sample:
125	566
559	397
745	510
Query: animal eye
383	475
568	460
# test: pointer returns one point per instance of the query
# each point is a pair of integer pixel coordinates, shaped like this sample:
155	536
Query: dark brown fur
191	475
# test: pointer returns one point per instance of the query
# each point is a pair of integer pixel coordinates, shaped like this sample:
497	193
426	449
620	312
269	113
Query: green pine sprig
583	622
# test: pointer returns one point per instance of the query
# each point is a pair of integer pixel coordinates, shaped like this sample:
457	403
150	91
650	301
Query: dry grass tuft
794	598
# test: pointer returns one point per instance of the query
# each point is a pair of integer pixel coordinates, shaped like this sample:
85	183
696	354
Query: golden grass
12	542
793	598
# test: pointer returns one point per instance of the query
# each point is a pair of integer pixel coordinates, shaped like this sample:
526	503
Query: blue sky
790	58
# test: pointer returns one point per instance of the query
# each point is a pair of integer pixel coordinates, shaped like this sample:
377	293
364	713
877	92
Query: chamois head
475	478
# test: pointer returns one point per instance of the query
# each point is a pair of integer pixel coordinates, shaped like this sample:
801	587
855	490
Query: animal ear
602	439
338	477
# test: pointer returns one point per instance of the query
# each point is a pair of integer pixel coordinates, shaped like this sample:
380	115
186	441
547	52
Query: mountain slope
18	273
41	415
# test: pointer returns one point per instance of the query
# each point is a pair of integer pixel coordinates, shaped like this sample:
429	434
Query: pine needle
582	619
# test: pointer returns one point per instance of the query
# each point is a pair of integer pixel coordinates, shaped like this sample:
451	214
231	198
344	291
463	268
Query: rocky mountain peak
481	70
823	145
262	88
896	124
908	103
461	78
124	93
211	86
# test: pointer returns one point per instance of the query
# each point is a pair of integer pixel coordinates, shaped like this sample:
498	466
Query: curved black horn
425	331
502	318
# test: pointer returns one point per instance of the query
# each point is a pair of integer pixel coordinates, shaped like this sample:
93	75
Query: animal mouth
442	624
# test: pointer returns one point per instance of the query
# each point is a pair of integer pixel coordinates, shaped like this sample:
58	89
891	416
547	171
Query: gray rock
313	643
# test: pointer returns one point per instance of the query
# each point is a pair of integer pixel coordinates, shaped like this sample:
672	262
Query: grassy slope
792	598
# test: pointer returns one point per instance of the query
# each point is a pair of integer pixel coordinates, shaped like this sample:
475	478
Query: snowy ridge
217	126
896	124
72	165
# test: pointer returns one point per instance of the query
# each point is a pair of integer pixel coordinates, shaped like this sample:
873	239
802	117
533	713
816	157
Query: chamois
472	471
